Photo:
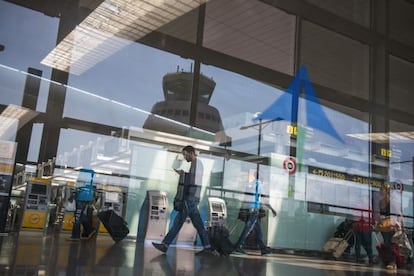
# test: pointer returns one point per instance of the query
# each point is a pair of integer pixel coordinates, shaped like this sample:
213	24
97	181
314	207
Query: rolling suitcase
116	225
337	246
219	239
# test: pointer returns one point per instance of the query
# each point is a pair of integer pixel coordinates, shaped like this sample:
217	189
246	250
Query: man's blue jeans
252	223
81	217
190	210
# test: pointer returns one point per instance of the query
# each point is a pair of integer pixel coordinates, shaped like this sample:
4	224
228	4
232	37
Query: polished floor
38	254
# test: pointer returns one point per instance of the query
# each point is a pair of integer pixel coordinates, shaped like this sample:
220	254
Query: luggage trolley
337	245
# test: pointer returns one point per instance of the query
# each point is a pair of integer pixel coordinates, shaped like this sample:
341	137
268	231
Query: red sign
289	164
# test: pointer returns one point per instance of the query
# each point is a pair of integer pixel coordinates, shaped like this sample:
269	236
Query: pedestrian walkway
54	255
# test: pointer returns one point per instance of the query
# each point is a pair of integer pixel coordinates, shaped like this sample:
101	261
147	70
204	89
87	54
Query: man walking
192	189
83	196
252	204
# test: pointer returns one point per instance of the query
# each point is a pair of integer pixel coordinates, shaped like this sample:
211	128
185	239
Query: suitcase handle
348	235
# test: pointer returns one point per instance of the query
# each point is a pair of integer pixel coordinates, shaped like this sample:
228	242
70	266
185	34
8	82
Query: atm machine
153	217
36	204
216	216
217	212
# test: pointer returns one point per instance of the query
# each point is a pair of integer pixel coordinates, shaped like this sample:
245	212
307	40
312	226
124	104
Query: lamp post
259	143
259	138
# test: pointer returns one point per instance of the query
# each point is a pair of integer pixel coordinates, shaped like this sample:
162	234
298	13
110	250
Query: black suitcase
116	225
219	239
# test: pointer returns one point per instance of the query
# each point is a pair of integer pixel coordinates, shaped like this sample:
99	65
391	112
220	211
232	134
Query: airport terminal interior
307	102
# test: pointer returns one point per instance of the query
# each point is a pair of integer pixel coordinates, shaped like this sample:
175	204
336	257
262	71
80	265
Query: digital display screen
158	200
217	207
112	197
38	189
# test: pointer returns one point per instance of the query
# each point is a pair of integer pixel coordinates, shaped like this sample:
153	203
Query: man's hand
271	209
178	171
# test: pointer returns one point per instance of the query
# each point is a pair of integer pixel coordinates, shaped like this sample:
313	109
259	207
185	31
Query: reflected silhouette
178	89
183	261
246	266
162	262
35	255
81	258
115	255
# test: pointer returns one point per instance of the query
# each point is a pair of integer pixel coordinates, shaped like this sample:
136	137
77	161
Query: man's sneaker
266	252
391	267
160	246
207	251
239	251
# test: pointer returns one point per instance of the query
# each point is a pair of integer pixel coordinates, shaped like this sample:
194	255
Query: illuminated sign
292	130
385	152
374	182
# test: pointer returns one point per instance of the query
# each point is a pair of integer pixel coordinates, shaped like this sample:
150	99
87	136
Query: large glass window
116	93
355	10
124	89
400	84
22	53
334	60
251	31
401	21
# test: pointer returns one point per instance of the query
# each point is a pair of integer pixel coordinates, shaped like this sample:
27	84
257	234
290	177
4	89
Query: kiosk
36	204
217	212
153	217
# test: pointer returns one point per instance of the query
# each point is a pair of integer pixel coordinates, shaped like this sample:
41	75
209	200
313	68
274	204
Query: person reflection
247	266
252	206
192	189
81	258
115	255
387	209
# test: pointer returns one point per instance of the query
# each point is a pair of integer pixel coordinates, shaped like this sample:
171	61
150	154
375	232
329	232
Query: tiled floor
54	255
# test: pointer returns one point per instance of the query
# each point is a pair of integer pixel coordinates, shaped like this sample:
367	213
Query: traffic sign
289	164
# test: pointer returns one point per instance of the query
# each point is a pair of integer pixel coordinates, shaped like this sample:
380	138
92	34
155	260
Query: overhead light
110	27
12	118
15	112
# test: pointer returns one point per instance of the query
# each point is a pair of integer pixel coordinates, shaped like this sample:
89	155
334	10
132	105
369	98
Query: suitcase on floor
219	239
337	246
116	225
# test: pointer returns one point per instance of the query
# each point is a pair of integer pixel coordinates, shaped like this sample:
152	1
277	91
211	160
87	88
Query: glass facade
122	86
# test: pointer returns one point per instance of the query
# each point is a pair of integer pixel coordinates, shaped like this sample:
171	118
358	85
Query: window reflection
178	90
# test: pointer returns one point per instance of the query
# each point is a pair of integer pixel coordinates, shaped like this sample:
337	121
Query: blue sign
286	106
